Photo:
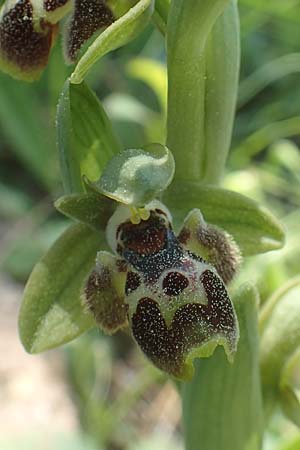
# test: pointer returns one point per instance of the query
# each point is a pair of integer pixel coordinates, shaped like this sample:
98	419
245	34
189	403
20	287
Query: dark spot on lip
52	5
174	283
133	281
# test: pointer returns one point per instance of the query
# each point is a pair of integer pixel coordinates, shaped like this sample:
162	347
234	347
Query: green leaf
92	209
135	176
52	312
160	16
223	403
85	138
280	338
290	405
222	60
122	31
24	126
253	227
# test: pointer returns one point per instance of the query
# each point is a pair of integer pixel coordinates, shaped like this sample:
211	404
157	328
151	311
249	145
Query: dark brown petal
24	51
212	244
103	295
89	16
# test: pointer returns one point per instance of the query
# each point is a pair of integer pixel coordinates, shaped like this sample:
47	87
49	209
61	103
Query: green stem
189	24
222	57
222	406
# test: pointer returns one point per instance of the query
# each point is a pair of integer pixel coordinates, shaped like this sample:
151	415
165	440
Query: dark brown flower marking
20	43
146	238
193	325
184	236
52	5
174	283
89	16
133	281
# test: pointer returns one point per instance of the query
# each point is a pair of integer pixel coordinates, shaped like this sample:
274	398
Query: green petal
252	226
52	312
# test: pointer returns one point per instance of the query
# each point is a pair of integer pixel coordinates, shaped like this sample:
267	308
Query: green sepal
136	176
223	403
85	137
52	312
91	208
252	226
122	31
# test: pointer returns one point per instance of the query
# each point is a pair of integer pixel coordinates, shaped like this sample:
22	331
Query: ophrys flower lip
174	301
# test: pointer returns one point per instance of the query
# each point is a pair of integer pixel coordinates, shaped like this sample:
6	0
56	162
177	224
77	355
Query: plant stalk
222	405
188	28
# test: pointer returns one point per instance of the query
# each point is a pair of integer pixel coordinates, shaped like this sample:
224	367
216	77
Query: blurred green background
99	393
